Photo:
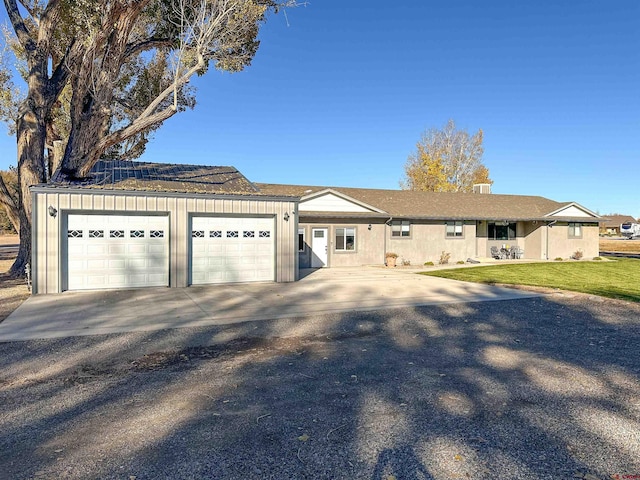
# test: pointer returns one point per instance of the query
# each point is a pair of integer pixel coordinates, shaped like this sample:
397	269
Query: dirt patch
620	245
12	291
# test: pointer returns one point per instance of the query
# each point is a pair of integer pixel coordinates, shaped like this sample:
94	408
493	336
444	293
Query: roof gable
329	200
573	210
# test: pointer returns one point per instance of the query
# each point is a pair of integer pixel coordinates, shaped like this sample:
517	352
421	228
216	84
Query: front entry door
319	247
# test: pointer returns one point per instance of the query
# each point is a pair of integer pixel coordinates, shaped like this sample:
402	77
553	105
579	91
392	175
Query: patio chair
495	253
517	252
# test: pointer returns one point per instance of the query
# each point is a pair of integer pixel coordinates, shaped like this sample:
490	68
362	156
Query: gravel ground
542	388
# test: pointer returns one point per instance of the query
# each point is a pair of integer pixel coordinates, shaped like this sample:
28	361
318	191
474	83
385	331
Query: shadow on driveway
535	388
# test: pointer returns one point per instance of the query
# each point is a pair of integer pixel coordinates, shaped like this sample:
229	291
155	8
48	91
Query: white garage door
232	249
117	251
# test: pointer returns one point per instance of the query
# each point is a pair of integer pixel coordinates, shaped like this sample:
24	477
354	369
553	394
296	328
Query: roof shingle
436	205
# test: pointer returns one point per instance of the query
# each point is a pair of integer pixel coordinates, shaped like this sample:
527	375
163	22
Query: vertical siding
177	235
53	242
40	253
49	239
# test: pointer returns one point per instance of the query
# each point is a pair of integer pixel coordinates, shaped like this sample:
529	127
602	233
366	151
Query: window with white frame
454	228
345	239
400	228
301	239
575	230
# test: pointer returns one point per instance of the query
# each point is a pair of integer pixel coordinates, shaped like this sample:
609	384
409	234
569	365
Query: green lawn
617	278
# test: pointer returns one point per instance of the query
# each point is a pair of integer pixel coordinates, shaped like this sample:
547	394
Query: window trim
335	239
400	224
454	236
571	229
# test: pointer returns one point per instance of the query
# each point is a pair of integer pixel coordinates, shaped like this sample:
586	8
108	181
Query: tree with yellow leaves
446	160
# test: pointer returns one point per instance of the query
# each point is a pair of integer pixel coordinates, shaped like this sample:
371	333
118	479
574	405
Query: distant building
611	224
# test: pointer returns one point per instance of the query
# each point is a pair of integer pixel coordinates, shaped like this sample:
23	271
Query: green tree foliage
446	160
101	75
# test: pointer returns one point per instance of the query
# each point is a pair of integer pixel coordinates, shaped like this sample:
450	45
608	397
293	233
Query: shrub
460	262
558	259
597	259
444	258
577	255
406	262
428	264
391	255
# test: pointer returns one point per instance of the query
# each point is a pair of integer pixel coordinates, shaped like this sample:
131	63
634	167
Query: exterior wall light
286	216
52	211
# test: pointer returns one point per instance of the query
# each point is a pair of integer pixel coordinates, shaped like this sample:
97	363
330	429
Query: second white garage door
232	249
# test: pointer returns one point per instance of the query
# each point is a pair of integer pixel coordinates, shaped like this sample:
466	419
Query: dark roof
415	204
614	221
161	177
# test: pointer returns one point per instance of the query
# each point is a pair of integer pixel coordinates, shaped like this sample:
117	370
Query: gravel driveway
540	388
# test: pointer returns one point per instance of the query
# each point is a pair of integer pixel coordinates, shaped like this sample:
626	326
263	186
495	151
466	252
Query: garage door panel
96	249
230	249
137	249
116	264
157	249
117	251
97	264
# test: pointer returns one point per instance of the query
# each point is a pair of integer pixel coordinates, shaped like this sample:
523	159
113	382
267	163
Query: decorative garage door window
236	249
116	251
197	234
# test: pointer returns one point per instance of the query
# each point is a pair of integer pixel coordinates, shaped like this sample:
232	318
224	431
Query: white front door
116	251
319	247
232	249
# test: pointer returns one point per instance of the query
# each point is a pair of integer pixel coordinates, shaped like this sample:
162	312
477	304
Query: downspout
384	243
549	225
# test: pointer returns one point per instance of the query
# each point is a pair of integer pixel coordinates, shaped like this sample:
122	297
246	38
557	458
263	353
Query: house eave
162	193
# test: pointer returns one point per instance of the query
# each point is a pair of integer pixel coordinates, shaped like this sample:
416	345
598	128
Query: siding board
50	262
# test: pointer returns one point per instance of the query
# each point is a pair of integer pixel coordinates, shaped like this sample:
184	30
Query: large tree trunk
31	134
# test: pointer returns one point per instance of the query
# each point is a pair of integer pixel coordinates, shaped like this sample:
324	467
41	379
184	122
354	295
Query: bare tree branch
17	22
150	44
31	12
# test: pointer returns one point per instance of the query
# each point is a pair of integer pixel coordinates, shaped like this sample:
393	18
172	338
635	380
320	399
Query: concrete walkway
318	292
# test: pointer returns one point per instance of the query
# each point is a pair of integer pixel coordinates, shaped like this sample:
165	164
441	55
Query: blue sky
340	95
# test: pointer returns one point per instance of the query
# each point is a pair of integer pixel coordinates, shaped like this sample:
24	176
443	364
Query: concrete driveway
319	291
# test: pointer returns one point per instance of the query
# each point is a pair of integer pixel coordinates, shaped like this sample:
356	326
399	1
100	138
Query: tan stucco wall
533	241
369	243
560	245
426	242
47	252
